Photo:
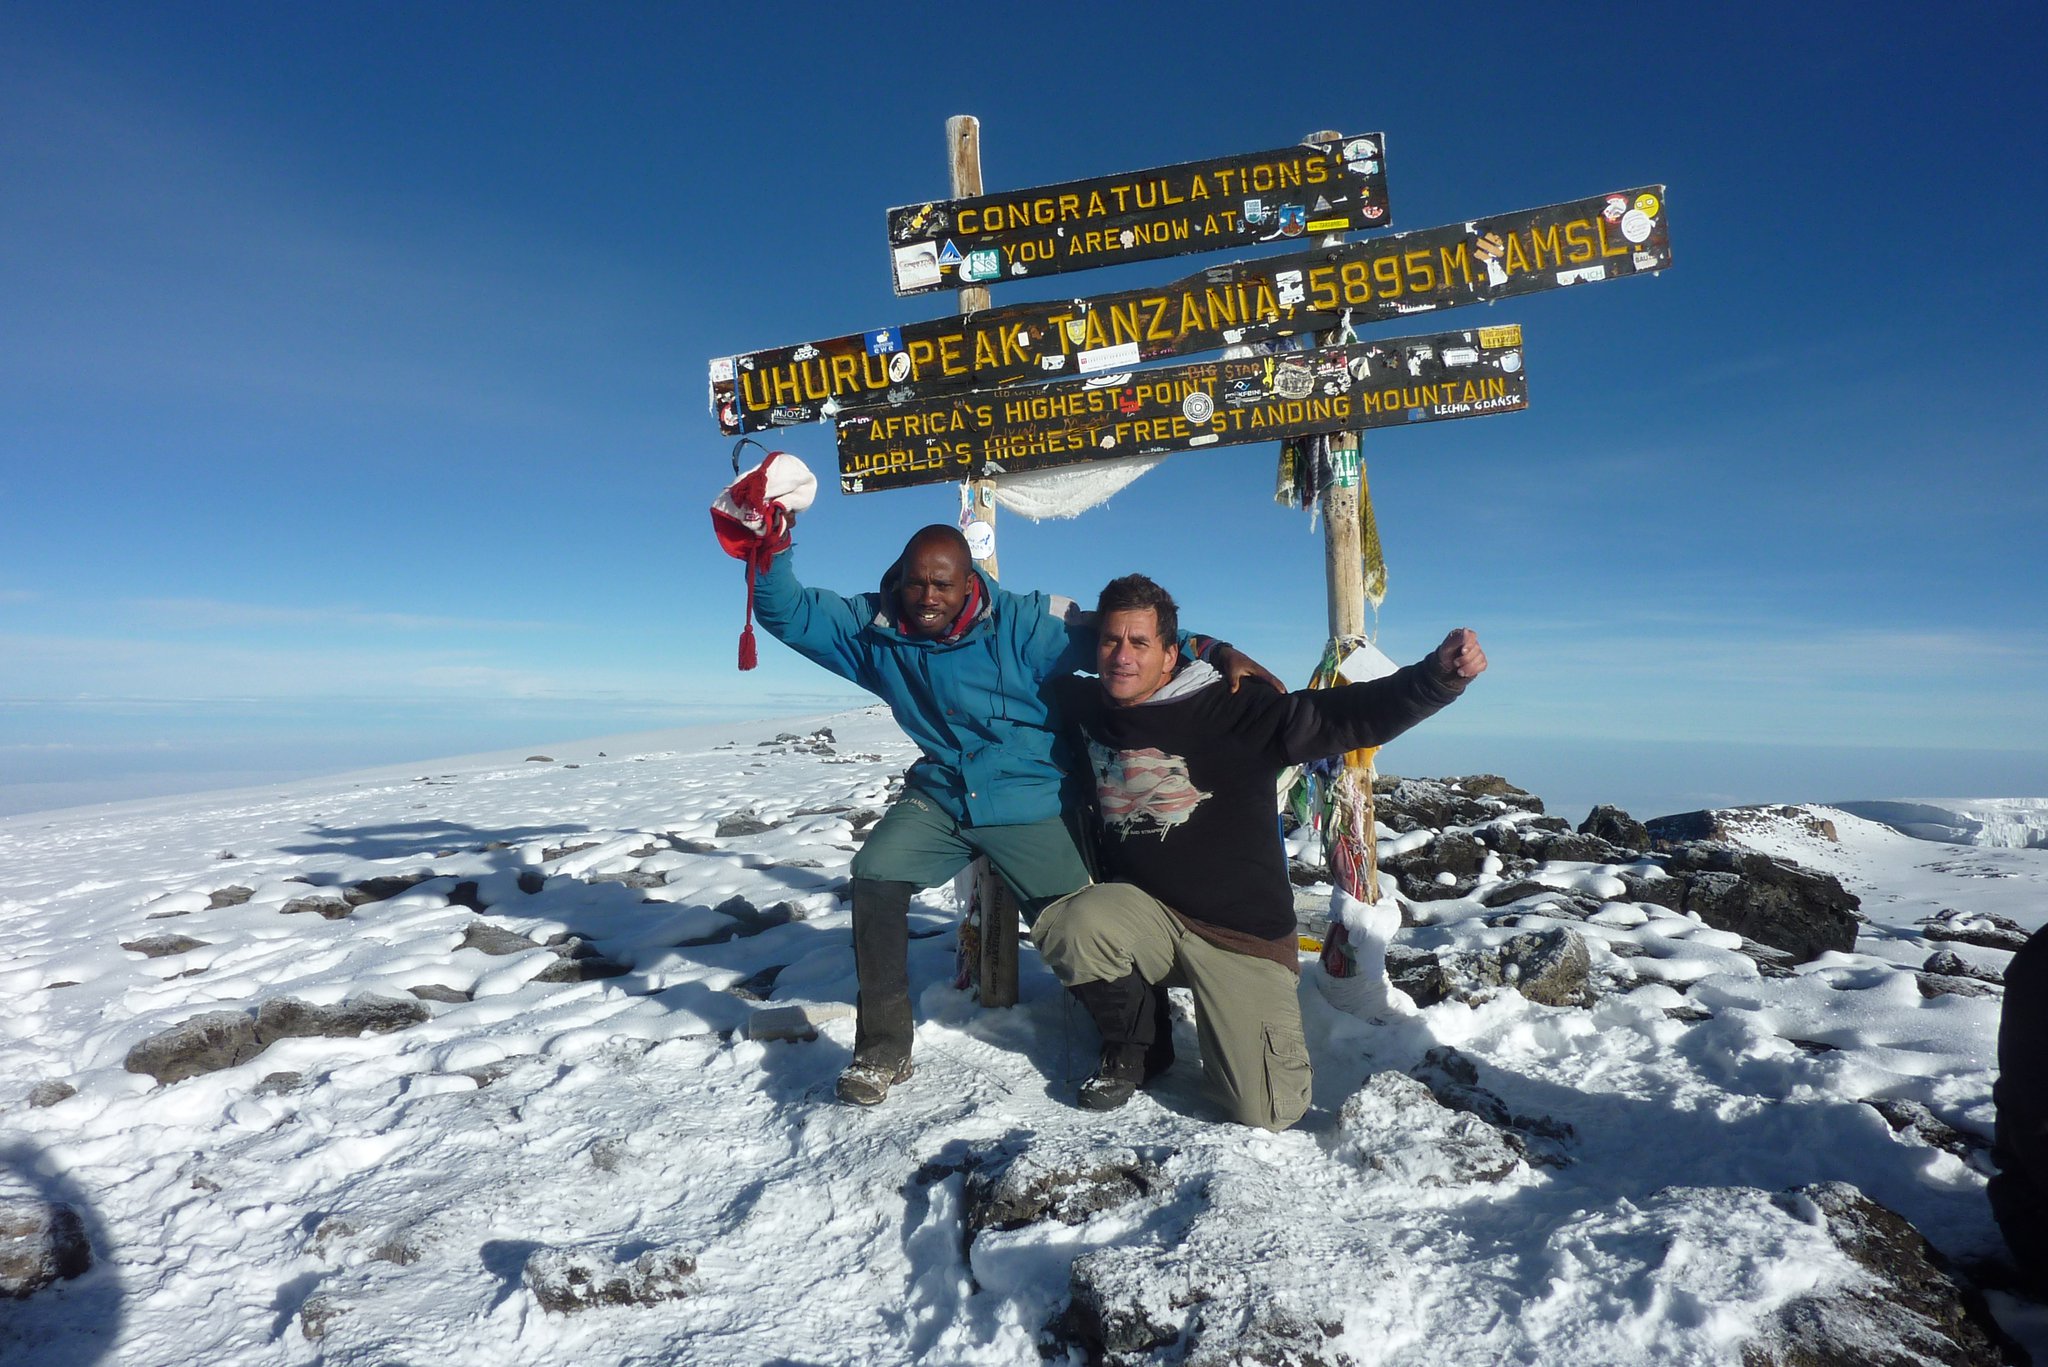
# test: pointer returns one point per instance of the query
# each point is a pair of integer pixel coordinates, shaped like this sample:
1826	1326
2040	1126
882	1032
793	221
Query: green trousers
1247	1011
916	842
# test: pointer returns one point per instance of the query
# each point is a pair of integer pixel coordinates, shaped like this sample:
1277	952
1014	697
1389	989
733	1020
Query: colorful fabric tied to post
1333	798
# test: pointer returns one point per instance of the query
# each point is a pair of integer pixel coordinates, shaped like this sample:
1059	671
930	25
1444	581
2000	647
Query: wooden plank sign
1604	237
1289	194
1184	408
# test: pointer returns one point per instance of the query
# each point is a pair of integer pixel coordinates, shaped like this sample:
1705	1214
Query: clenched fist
1460	657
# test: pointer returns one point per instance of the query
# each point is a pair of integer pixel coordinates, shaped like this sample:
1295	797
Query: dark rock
532	881
333	908
1407	804
1911	1313
540	759
165	915
229	897
758	987
1934	985
1456	853
550	853
748	822
1550	967
1393	1125
695	847
1659	890
1453	1079
435	992
752	921
50	1093
162	946
1303	874
1975	928
318	1315
467	894
397	1252
277	1084
565	1282
1067	1182
204	1044
490	939
1768	900
1573	846
586	969
1949	964
1726	825
381	889
40	1242
1616	827
290	1018
1771	963
632	878
1576	905
1912	1118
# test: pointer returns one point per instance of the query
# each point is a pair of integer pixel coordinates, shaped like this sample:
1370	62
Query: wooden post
1342	563
993	910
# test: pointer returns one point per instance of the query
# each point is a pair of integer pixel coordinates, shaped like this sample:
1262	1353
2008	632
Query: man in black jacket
2019	1194
1194	888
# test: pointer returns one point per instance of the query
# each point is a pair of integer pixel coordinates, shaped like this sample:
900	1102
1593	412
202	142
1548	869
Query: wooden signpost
994	392
1507	256
1198	206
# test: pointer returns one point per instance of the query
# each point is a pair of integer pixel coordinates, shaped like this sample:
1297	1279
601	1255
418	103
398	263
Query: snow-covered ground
391	1193
2020	822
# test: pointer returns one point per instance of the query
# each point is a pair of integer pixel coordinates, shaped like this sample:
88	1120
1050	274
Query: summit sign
1289	194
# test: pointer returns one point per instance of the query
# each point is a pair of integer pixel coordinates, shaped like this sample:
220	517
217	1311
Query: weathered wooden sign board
1289	193
1184	408
1605	237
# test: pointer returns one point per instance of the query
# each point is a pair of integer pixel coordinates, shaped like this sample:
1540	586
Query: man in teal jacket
963	665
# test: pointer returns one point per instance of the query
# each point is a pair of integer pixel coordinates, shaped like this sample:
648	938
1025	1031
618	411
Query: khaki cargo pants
1247	1013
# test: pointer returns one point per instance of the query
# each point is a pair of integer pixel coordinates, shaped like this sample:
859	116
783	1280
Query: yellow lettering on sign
1579	235
1514	259
1457	264
1540	238
845	373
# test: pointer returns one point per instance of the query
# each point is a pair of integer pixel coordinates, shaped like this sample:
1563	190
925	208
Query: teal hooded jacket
979	706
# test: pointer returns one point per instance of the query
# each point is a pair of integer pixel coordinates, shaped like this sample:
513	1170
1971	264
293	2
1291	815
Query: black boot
1124	1011
883	1026
1159	1053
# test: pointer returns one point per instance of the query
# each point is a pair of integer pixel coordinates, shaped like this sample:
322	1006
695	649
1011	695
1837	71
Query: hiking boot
866	1081
1116	1078
1159	1053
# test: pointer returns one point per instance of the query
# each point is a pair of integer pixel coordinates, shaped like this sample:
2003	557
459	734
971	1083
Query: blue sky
352	373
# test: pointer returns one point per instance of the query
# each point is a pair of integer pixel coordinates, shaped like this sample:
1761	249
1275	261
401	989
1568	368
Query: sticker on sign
917	266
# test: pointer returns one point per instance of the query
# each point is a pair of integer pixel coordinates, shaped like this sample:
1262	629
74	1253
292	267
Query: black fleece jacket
1185	782
2019	1194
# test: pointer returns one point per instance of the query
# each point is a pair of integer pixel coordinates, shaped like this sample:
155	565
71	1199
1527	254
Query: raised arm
1315	723
821	626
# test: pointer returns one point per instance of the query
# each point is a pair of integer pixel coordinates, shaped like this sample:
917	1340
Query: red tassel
748	659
